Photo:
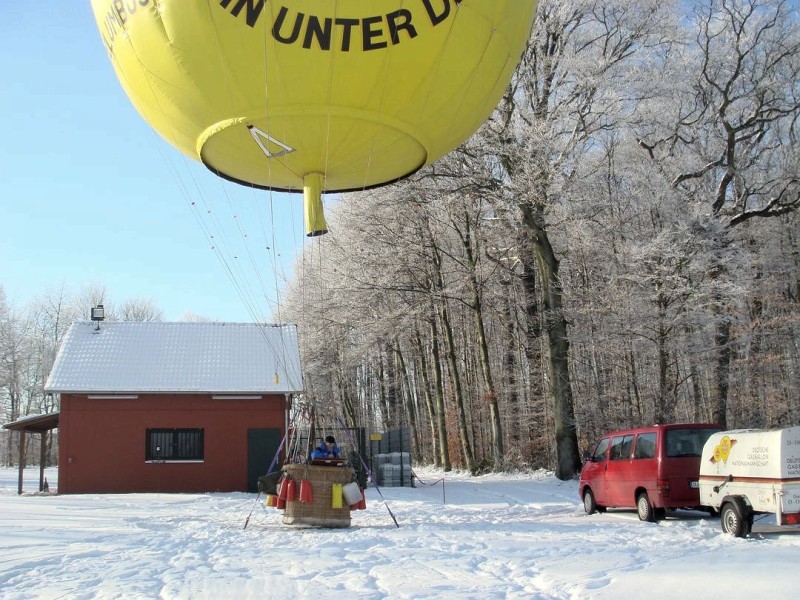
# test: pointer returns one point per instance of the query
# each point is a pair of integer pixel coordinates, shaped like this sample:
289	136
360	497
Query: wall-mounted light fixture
98	314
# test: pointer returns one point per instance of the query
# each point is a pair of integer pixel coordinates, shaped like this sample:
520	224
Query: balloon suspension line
367	469
269	470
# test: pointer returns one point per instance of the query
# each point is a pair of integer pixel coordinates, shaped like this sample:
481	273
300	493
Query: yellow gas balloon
315	95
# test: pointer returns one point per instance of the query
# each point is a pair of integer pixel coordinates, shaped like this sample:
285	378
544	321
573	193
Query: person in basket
326	449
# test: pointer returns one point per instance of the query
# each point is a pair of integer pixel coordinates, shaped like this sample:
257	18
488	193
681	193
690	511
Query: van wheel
645	509
735	518
589	503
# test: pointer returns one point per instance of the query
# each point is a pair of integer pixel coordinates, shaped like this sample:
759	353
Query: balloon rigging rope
219	243
274	248
426	102
205	230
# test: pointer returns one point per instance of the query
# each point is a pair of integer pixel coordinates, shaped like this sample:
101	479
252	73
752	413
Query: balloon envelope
315	95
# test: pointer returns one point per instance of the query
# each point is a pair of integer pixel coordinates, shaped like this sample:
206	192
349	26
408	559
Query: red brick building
172	407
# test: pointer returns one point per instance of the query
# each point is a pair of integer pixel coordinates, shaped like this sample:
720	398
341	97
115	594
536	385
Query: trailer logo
723	450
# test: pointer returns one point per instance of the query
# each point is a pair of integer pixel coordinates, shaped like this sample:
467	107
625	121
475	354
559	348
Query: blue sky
90	194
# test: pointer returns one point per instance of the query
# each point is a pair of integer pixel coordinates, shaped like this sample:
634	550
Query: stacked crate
393	469
391	458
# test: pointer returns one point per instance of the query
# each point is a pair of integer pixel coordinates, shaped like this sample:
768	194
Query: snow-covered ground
496	536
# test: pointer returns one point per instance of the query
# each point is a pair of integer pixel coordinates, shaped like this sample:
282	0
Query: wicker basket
319	512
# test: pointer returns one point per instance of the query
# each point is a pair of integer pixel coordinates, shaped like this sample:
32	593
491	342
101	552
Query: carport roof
34	423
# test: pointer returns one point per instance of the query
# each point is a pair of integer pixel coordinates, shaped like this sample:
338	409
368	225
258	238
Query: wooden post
42	460
21	459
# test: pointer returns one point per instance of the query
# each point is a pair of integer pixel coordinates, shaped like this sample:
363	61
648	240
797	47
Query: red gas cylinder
306	494
284	487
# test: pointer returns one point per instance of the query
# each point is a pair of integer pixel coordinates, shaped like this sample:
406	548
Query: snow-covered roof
126	357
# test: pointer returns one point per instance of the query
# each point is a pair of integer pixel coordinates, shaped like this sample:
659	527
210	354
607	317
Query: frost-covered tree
724	135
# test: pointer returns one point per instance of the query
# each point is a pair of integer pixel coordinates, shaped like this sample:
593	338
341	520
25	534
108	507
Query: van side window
600	451
621	447
686	442
645	446
627	446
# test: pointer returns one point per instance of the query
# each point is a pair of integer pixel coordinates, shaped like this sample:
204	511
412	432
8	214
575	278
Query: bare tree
556	250
727	138
140	310
573	85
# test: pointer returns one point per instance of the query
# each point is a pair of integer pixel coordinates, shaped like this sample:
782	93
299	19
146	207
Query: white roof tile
177	357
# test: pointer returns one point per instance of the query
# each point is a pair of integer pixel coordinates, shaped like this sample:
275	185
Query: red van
649	468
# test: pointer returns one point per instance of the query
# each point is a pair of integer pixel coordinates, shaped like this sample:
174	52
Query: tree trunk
722	358
509	373
450	352
411	409
568	461
441	422
722	367
498	452
382	394
430	404
533	333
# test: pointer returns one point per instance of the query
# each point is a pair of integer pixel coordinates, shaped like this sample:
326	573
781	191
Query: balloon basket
320	511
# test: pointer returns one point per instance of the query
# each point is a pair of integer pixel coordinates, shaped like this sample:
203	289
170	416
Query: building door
262	445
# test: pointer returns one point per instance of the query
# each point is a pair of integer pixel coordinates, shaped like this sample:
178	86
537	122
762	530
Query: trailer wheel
736	520
645	509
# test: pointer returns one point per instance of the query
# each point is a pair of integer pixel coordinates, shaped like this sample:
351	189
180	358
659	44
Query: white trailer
747	472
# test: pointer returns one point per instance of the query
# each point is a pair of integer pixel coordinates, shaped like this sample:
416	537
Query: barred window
174	444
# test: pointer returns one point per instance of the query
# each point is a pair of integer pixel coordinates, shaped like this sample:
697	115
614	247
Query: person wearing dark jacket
326	449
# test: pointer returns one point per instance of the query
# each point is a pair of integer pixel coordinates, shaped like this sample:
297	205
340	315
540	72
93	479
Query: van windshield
687	442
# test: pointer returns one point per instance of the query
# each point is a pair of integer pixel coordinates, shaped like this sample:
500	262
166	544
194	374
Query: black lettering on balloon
117	17
347	27
112	22
400	20
276	28
315	29
369	33
437	17
120	10
377	32
254	8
